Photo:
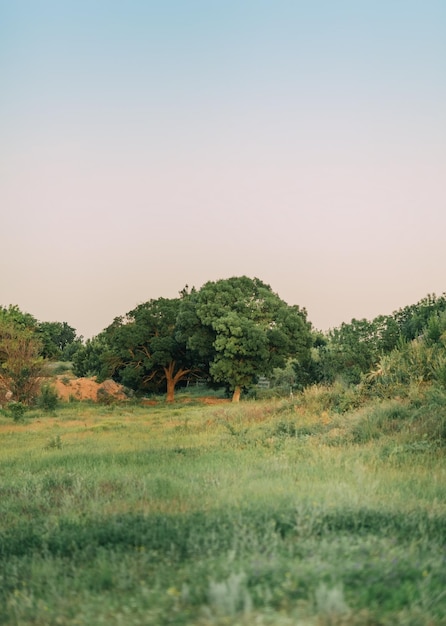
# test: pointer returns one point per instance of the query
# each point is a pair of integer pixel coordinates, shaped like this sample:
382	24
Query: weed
54	443
330	601
230	596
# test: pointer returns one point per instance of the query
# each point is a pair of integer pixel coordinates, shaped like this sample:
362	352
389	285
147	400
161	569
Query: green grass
263	513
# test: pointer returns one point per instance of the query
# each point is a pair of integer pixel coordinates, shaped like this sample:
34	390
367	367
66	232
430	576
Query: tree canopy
58	339
144	349
243	330
13	315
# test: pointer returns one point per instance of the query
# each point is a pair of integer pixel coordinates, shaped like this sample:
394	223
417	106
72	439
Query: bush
439	374
17	410
378	420
338	398
411	363
48	399
430	423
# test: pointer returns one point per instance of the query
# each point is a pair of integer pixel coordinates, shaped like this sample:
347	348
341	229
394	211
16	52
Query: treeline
214	334
406	346
54	340
231	333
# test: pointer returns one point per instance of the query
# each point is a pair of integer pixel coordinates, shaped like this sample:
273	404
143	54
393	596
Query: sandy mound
88	389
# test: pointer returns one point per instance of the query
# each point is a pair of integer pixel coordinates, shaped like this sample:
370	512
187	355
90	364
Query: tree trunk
172	379
170	390
236	394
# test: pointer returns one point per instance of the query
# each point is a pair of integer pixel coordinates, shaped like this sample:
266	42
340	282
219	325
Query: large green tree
144	349
243	330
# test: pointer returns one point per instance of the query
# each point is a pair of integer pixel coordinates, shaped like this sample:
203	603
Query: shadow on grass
187	536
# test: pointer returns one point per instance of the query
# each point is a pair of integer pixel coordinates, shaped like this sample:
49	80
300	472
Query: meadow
270	512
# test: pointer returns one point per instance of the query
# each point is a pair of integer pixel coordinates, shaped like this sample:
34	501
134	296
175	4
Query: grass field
258	514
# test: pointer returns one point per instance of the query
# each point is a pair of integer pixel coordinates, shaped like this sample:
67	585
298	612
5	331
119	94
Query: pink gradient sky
148	145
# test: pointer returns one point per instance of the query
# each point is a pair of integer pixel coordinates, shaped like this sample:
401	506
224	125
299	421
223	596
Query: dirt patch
87	389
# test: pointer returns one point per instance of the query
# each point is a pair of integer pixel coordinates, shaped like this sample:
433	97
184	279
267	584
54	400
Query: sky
146	145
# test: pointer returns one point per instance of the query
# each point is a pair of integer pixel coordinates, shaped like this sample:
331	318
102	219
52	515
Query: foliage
361	348
231	332
89	359
413	319
20	362
243	330
12	315
17	410
353	349
144	347
48	398
418	362
284	378
58	340
338	398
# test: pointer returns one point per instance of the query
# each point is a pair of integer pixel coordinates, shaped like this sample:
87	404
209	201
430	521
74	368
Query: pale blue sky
145	145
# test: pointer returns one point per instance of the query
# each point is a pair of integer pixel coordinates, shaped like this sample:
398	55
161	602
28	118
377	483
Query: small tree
48	399
20	362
